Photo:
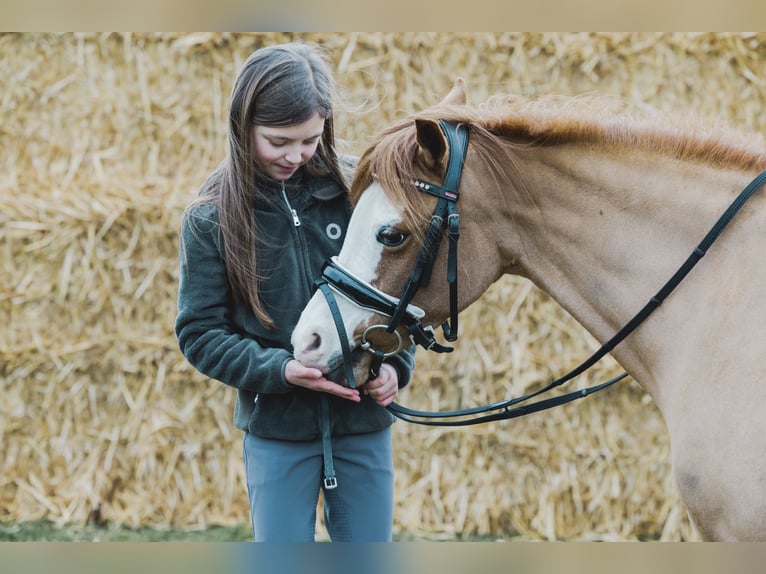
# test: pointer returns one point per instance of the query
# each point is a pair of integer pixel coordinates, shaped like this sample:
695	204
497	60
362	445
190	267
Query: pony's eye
391	237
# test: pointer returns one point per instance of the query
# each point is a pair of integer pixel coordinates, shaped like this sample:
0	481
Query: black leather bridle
445	219
400	310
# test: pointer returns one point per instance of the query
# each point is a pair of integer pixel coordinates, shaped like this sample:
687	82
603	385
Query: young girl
252	244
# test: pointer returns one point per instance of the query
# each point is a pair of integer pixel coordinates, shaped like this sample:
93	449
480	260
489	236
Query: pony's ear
457	95
431	142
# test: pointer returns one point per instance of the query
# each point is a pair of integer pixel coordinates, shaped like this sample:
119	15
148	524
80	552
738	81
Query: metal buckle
330	482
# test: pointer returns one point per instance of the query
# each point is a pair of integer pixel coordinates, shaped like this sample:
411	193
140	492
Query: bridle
445	219
400	310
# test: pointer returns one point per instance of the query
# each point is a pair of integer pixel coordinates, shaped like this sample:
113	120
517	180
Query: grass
46	531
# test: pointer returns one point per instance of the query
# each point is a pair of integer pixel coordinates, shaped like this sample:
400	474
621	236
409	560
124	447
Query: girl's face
280	151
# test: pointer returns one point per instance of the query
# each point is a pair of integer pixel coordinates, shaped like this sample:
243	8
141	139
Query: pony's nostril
316	342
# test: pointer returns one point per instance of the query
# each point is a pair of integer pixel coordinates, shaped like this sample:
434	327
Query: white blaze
360	255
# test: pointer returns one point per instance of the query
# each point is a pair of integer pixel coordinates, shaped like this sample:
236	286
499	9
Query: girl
252	243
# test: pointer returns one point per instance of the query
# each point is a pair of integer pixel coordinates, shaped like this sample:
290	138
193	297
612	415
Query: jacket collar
321	188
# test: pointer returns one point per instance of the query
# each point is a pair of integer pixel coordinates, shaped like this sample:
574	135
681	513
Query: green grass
46	531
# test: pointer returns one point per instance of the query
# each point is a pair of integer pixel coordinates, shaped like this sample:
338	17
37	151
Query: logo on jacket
333	231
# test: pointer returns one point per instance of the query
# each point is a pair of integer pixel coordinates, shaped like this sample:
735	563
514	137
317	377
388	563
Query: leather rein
445	219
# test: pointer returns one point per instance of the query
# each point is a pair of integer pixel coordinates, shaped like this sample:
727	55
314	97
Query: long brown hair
280	85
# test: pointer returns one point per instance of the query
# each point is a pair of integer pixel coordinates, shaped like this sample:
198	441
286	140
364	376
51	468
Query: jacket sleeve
206	335
404	363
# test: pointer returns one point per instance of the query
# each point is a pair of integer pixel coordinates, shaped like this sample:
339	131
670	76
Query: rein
446	219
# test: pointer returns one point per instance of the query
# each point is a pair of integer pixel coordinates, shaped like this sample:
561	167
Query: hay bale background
105	138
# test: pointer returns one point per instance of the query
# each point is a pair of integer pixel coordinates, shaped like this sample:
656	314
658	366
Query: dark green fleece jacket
301	227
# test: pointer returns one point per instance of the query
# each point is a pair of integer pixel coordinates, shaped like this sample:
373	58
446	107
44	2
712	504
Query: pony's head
384	239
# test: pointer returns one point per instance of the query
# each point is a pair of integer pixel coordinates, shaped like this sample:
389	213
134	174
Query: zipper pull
296	220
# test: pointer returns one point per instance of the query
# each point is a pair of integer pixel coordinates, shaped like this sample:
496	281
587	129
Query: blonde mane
552	120
505	121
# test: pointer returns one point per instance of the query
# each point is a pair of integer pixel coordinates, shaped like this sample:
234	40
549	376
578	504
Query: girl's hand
307	377
383	390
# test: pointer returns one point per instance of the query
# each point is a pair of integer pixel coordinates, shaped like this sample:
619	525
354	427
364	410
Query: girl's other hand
385	387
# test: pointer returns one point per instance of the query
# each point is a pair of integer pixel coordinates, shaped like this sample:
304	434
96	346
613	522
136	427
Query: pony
597	206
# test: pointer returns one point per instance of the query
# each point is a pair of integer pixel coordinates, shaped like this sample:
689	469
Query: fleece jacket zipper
302	247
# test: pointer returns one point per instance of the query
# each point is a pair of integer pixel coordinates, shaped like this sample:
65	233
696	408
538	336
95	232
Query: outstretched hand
298	374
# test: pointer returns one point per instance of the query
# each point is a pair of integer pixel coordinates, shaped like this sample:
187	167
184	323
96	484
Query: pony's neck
601	233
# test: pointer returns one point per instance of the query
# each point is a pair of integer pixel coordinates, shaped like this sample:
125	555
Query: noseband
446	219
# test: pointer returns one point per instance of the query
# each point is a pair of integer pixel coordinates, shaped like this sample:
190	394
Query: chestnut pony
598	209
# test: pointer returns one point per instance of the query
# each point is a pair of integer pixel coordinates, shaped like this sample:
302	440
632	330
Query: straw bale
105	139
